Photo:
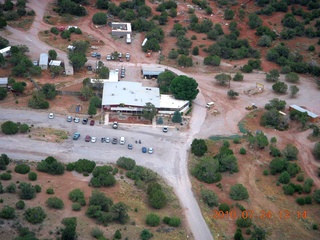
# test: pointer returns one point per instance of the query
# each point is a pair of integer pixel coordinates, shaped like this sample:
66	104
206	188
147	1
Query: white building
43	62
150	71
168	104
54	63
6	51
120	29
4	82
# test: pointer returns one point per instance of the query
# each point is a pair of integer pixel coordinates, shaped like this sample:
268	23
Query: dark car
144	149
91	122
89	68
85	121
88	138
103	139
76	136
114	140
130	146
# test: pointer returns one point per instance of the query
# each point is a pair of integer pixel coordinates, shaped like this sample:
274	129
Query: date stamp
263	214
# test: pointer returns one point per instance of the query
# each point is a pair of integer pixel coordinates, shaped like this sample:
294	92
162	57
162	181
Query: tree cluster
84	165
126	163
102	177
157	198
51	165
71	7
11	128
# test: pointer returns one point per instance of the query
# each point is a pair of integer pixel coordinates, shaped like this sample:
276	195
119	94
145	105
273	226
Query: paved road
171	149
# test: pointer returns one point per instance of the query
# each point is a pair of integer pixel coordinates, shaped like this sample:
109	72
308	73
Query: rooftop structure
120	29
4	82
152	71
314	117
54	63
168	104
43	62
5	51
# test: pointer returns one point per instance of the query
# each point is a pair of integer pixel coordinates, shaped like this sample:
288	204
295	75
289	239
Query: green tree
76	195
157	199
228	162
199	147
145	234
261	140
280	87
9	128
284	177
316	151
32	176
209	197
265	41
19	86
98	198
275	103
238	192
20	205
232	94
117	235
149	111
126	163
52	54
195	51
49	91
35	215
316	195
103	72
99	18
185	61
254	21
3	23
164	80
228	14
184	88
212	60
153	220
273	75
176	118
246	68
77	60
27	191
22	168
244	222
7	212
119	212
223	79
11	188
207	170
55	203
38	101
51	165
293	90
290	152
258	233
292	77
86	92
238	76
277	165
92	110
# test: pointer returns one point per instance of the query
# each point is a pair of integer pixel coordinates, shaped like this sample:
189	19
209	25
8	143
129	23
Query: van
122	140
165	129
209	104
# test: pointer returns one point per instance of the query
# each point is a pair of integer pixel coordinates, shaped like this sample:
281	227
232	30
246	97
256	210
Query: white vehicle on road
51	115
93	139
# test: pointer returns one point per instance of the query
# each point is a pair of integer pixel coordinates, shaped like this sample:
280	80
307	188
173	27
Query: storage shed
151	71
6	51
43	62
312	116
4	82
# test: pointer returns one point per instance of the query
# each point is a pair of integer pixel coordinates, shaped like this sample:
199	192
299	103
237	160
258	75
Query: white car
150	150
76	120
51	115
107	140
93	139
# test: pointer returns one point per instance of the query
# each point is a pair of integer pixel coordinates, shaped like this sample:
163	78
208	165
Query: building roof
121	26
129	93
68	68
113	76
300	109
168	101
4	80
6	49
54	63
43	59
152	70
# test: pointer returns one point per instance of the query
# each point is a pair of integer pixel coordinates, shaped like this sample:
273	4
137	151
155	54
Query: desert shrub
141	173
244	222
145	234
7	212
84	165
70	167
76	206
288	190
11	188
102	177
1	188
126	163
277	165
316	195
300	178
157	199
51	165
54	202
174	222
32	176
238	192
27	191
5	176
284	177
199	147
9	128
236	141
20	204
308	200
24	128
35	215
301	201
265	172
22	168
243	151
54	30
37	188
99	199
96	233
4	161
152	220
224	207
209	197
207	170
76	195
50	191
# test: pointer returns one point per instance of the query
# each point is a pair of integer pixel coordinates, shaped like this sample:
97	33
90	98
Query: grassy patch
24	23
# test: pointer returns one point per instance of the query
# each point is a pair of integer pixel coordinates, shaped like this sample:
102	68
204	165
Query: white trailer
128	40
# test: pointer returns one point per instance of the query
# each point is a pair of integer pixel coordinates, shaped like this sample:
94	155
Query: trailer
128	40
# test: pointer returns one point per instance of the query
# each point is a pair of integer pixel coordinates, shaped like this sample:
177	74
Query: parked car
107	140
114	140
89	68
85	121
76	136
93	139
130	146
144	149
35	63
76	120
115	125
119	55
103	139
108	57
150	150
88	138
128	56
92	122
51	115
165	129
69	119
98	56
94	54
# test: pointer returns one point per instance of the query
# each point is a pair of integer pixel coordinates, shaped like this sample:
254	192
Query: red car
88	138
91	122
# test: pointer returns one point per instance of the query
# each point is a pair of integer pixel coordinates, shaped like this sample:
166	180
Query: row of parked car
77	120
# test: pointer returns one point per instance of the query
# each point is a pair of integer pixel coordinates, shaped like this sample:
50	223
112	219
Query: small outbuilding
54	63
4	82
312	116
120	29
151	71
6	52
43	62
